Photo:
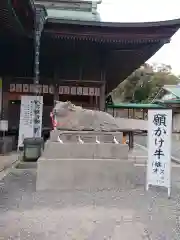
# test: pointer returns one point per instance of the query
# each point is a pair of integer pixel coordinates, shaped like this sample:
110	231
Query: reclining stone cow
67	116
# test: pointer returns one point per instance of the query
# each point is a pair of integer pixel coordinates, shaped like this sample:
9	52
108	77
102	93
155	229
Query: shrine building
65	51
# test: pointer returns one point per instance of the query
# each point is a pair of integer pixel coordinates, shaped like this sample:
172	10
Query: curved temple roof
11	11
129	45
16	17
165	23
153	31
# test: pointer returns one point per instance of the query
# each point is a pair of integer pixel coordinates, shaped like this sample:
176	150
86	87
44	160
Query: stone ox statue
67	116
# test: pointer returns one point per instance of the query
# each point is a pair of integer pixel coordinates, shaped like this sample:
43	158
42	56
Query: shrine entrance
85	94
81	93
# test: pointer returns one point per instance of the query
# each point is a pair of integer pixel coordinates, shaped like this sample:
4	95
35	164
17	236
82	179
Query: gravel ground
109	214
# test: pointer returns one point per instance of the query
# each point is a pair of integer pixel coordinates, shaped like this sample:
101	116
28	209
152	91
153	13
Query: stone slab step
83	174
138	159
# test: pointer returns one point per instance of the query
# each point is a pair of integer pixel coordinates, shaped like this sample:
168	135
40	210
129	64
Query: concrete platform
84	174
56	150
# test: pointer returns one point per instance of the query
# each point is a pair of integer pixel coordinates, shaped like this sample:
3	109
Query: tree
145	83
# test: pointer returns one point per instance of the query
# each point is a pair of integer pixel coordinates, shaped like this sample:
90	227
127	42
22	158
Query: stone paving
108	214
142	140
176	146
7	160
138	155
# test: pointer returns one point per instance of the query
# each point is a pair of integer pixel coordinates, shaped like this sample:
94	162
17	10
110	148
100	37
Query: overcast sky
144	11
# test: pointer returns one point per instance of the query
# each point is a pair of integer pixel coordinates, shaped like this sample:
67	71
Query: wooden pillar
1	95
5	100
56	86
102	102
102	97
131	140
5	103
128	113
91	102
143	115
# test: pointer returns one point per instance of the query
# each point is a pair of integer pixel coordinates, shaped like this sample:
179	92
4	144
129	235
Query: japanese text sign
159	148
30	124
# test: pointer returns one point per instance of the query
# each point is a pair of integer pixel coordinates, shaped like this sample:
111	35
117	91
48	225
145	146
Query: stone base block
56	150
84	174
86	136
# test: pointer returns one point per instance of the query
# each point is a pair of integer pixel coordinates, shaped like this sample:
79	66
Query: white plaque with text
159	148
30	124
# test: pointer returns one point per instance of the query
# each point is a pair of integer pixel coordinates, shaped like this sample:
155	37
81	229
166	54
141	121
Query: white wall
176	122
133	124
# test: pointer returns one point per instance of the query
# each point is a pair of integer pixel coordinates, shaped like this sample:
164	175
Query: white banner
38	111
30	124
63	90
159	148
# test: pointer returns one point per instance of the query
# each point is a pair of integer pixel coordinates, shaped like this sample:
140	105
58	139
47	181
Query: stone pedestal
73	165
87	136
57	150
84	174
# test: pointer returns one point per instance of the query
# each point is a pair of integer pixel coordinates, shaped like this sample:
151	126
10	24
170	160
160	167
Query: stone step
83	174
139	153
138	159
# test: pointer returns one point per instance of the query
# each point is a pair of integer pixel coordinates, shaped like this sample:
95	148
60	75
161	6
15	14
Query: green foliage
145	83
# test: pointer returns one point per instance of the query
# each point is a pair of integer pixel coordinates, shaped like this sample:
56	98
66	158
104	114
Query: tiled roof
72	15
135	106
173	89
